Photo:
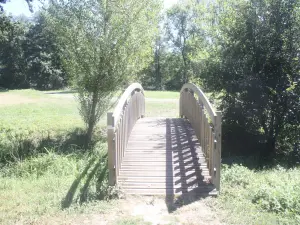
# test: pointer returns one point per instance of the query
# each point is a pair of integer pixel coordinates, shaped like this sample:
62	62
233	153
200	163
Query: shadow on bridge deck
164	157
185	165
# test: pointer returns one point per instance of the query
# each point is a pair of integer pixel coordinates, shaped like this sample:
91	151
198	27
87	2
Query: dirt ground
143	210
12	99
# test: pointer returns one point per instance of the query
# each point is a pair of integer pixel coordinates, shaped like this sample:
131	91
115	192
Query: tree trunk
92	119
269	150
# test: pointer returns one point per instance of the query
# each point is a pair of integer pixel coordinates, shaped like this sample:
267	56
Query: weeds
269	196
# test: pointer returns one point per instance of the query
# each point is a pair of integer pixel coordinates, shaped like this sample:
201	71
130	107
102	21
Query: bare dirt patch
155	211
13	99
141	210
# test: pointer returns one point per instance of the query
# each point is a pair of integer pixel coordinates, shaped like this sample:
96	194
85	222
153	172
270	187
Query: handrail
207	130
123	100
130	107
201	96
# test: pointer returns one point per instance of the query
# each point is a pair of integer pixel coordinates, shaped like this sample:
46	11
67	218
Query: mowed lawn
40	156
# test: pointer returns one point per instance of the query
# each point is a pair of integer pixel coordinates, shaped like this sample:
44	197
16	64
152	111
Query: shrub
236	175
279	191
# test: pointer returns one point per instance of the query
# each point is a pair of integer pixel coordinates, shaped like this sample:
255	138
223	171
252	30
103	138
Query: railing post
181	105
217	150
111	150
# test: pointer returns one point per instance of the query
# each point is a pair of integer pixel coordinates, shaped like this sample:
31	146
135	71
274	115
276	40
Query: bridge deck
164	157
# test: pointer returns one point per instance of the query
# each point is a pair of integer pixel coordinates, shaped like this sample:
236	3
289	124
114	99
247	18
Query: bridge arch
138	158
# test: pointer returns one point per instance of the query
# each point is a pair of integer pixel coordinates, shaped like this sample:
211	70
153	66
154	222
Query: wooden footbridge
165	156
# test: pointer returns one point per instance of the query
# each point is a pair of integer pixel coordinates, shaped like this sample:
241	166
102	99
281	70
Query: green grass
41	156
132	221
36	186
162	109
259	197
162	94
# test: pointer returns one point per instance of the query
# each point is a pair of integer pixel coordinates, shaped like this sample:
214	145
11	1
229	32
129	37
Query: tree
105	43
181	29
45	70
255	64
12	63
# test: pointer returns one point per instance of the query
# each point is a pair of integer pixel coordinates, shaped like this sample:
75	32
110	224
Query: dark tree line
257	68
29	56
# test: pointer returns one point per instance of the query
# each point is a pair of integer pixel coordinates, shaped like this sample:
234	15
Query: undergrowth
44	185
267	196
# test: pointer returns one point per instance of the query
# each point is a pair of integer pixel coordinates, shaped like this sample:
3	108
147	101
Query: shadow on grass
60	92
99	170
16	148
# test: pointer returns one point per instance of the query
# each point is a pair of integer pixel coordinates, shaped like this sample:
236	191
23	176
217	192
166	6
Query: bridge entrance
165	156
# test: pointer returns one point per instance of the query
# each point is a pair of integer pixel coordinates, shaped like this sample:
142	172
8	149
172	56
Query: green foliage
279	195
45	70
254	61
268	196
237	175
40	164
29	56
102	48
12	61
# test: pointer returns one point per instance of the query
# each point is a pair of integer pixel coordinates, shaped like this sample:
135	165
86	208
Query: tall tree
45	70
105	44
255	63
12	62
180	27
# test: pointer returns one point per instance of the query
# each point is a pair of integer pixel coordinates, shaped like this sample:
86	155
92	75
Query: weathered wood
165	156
207	126
201	96
130	107
120	106
111	150
217	151
173	159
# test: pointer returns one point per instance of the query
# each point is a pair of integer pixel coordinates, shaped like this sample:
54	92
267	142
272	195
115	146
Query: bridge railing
206	122
120	122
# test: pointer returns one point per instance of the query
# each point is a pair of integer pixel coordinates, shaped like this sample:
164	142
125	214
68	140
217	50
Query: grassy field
41	156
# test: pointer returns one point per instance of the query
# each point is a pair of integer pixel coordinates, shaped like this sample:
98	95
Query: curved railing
120	122
206	122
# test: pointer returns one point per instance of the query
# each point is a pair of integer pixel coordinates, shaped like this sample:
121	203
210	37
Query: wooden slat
164	156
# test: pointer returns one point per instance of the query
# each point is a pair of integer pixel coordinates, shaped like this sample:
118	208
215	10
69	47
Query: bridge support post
111	148
217	150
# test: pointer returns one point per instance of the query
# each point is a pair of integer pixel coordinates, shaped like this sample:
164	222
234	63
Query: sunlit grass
31	189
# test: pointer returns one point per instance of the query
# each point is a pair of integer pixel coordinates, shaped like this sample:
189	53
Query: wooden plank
176	187
163	191
161	173
154	162
161	163
159	179
162	167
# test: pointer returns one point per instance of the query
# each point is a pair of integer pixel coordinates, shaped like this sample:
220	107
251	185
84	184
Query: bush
279	192
236	175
